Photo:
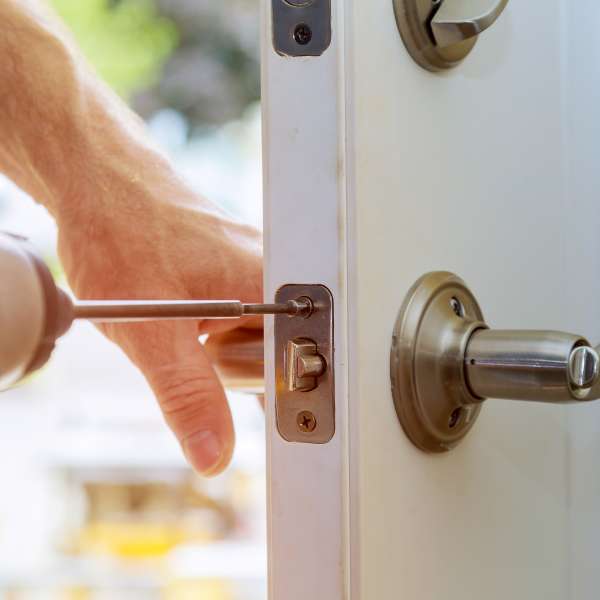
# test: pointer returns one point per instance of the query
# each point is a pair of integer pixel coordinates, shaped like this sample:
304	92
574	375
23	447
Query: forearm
64	136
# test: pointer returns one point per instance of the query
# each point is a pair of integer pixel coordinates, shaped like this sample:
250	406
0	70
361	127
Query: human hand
128	226
150	249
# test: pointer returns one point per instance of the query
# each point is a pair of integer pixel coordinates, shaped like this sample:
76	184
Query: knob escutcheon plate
431	396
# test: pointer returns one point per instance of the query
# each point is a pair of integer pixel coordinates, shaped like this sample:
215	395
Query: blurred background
96	500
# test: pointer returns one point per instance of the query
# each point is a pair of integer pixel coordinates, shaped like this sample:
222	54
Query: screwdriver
127	311
35	312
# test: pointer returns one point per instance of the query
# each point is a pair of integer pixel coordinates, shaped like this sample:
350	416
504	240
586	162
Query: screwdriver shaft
124	311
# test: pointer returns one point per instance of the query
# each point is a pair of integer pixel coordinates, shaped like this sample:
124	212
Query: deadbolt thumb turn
439	34
445	362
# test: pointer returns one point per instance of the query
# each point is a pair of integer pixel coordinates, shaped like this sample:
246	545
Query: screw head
306	421
457	307
455	417
303	34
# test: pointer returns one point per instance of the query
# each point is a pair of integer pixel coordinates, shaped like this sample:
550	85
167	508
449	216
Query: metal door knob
439	34
445	361
541	366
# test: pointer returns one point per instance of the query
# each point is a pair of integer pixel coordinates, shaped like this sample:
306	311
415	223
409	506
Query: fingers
188	390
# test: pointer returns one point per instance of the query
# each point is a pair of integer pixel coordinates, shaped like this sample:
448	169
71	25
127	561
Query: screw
306	421
303	34
305	307
457	307
455	416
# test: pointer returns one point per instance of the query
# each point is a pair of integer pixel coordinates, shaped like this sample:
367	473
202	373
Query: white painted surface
488	171
581	89
305	243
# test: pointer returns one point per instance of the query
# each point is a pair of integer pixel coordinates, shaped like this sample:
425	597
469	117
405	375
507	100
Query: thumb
187	388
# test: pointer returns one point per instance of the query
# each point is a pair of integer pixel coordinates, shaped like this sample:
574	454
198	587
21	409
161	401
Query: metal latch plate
301	27
305	416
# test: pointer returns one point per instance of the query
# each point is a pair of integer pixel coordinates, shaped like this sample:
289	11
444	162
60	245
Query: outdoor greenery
198	57
128	42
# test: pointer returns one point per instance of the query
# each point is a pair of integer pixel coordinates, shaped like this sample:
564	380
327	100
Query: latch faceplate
304	377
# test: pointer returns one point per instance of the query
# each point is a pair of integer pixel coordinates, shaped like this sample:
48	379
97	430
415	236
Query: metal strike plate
304	377
301	27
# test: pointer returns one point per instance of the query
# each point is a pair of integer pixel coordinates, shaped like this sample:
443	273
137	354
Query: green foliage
127	41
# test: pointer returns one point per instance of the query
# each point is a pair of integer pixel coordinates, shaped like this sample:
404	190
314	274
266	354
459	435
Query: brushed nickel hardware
301	27
304	365
451	24
439	34
445	362
583	367
304	376
540	366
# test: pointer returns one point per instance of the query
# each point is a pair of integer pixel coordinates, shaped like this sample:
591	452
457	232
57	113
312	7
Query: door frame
305	204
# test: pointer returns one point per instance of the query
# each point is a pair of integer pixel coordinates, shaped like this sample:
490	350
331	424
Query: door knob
439	34
543	366
445	362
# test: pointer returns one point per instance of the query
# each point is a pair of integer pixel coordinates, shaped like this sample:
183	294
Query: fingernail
204	451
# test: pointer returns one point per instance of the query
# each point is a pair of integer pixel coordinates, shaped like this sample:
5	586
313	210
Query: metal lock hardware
304	365
304	376
439	34
304	368
445	362
301	27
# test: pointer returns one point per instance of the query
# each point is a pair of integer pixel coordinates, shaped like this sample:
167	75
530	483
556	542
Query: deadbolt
439	34
445	362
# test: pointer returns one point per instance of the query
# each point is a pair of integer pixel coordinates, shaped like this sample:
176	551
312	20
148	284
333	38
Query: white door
376	172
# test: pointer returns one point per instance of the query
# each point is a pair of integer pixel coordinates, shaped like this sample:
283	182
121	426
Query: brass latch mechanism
35	312
445	361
